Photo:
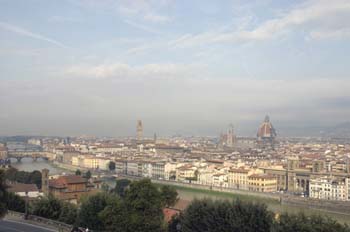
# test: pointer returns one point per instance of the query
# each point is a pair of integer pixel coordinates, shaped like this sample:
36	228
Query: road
12	226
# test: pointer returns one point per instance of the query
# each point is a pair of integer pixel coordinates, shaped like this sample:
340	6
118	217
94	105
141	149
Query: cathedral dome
266	130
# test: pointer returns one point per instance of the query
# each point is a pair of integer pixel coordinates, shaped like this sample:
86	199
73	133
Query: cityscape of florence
174	116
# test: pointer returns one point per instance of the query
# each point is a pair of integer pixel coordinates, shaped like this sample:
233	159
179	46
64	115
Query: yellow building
186	172
238	177
262	183
91	162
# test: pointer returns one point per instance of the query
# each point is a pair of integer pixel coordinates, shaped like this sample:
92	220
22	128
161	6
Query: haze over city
189	67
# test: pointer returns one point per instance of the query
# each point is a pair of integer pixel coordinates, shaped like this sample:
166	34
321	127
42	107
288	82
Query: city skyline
95	67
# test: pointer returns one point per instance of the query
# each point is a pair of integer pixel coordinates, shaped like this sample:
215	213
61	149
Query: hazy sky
71	67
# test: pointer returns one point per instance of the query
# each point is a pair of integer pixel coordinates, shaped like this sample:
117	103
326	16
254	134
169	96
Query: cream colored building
158	170
220	180
329	188
262	183
170	171
90	162
205	177
186	172
238	177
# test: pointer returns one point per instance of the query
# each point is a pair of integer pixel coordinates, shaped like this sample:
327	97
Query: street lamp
26	206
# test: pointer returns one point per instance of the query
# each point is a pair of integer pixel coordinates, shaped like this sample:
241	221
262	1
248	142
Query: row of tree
86	175
238	216
130	206
34	177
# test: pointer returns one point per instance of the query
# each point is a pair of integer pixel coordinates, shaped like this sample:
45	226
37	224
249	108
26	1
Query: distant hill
341	130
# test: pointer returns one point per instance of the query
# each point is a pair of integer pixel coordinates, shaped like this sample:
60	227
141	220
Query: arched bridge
19	155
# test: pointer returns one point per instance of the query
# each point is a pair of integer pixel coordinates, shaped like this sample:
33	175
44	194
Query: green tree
10	174
78	172
235	216
87	174
115	216
3	194
169	195
121	186
48	207
35	178
90	209
69	213
144	203
301	222
15	202
111	166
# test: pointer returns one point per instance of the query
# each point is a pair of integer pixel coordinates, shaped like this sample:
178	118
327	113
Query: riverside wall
342	207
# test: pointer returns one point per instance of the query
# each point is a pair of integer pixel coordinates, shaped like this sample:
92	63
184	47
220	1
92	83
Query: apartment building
262	183
238	177
329	188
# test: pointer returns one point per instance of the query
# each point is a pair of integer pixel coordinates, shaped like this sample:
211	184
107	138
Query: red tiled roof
62	181
19	187
169	213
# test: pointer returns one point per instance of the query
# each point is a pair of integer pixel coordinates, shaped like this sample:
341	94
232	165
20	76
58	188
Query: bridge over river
19	155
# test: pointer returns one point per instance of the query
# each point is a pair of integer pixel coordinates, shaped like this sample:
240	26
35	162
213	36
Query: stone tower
45	181
230	139
139	130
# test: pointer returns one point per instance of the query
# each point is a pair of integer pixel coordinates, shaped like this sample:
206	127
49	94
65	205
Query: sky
94	67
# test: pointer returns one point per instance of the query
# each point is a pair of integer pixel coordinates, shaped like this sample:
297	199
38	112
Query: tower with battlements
139	130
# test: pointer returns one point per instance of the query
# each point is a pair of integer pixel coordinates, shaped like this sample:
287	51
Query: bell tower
45	181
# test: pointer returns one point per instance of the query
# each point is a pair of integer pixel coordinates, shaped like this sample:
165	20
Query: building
220	180
329	188
228	139
70	188
133	168
25	190
103	163
231	138
262	183
158	171
90	162
266	134
3	152
170	171
238	177
68	155
139	130
186	173
120	167
205	176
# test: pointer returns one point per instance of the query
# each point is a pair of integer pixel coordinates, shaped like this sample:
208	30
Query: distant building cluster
304	167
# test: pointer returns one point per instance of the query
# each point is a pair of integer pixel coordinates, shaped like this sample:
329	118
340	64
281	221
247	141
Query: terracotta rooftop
19	187
63	181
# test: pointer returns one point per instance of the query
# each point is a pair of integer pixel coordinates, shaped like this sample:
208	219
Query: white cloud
156	18
144	10
319	18
62	19
326	34
122	70
24	32
142	27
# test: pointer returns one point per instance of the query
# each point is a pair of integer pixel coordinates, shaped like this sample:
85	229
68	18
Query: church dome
266	130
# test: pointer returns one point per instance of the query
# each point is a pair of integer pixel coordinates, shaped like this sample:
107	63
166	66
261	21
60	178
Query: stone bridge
19	155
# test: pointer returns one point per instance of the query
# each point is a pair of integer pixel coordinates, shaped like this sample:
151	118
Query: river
27	164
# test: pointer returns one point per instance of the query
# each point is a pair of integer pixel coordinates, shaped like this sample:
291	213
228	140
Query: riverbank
189	192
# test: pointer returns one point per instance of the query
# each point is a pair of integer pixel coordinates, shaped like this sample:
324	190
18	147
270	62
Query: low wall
60	226
274	196
327	205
